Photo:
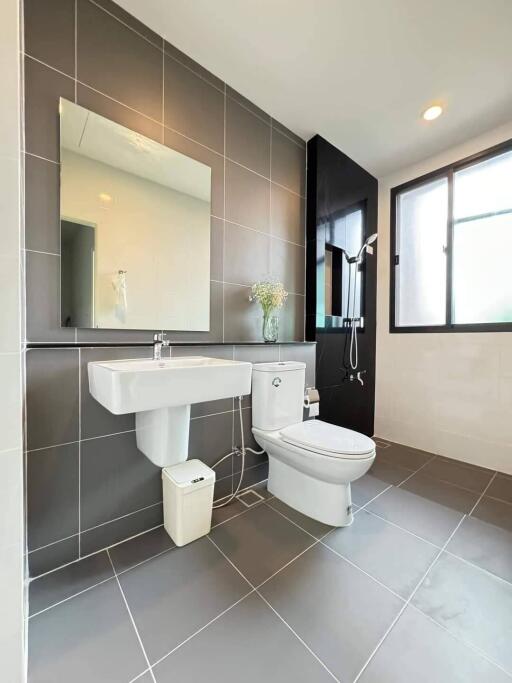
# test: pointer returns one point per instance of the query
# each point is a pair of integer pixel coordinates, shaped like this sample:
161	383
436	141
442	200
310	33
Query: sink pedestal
162	434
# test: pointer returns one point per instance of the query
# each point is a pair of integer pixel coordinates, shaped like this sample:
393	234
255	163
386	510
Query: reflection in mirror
135	229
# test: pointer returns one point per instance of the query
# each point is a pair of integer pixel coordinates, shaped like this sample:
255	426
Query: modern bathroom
256	341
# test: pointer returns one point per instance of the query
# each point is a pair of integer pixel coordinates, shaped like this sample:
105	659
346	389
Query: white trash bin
188	500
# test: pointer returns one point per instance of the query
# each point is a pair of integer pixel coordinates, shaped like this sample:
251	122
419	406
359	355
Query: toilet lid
319	436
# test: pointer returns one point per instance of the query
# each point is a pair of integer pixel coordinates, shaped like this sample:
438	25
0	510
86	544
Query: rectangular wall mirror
135	229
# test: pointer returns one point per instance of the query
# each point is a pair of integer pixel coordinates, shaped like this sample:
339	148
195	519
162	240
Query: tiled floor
417	589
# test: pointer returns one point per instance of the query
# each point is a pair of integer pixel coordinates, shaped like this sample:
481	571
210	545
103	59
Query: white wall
159	236
446	393
11	459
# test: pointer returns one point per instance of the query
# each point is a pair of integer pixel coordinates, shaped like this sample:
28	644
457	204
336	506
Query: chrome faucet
159	340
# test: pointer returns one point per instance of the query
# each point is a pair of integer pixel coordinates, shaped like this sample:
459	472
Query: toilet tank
277	394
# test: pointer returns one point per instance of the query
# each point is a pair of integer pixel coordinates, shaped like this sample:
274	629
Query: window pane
353	241
482	277
422	215
483	188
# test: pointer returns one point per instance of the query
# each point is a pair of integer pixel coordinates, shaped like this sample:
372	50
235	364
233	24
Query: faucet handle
160	337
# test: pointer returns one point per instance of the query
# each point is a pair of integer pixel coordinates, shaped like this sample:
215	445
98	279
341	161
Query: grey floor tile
462	474
339	612
237	507
312	526
501	488
145	678
248	643
405	456
260	542
175	594
141	548
88	638
472	604
485	538
428	519
449	495
68	581
380	475
394	557
419	650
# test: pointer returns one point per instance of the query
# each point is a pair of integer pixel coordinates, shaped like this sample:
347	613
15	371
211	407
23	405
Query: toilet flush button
276	381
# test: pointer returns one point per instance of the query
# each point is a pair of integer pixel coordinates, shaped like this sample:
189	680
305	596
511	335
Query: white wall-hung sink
160	392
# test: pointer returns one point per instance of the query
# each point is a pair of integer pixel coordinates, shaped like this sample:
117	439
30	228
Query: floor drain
381	444
245	498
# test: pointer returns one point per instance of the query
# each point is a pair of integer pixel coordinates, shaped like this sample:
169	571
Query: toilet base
326	502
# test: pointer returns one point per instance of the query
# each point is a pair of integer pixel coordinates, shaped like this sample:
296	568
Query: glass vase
270	328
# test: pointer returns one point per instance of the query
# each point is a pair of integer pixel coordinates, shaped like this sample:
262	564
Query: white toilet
312	463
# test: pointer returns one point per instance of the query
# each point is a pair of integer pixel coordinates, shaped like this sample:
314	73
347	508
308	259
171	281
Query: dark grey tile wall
88	486
95	54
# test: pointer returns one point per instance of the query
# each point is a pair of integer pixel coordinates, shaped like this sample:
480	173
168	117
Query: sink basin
161	392
131	386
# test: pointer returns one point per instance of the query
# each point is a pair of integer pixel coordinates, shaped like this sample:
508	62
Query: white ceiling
358	72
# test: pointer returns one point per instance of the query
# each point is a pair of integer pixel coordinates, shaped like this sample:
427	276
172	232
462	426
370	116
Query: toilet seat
329	440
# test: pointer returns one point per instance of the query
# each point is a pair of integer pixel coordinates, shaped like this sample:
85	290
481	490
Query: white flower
269	294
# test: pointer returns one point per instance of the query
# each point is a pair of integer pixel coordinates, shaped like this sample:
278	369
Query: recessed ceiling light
432	112
105	198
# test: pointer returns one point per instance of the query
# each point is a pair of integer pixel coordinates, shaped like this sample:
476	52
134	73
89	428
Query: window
451	247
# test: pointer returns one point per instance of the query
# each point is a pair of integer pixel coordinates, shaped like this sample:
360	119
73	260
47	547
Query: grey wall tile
289	134
288	163
199	70
136	550
247	138
247	255
96	336
211	439
216	249
130	20
233	94
223	487
50	32
192	106
257	354
252	476
247	198
287	215
288	265
42	221
52	397
134	73
115	479
95	419
107	534
243	319
43	87
43	299
205	156
501	488
55	555
104	106
291	317
251	459
304	353
52	494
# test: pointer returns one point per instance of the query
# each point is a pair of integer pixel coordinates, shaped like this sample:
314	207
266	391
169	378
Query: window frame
447	172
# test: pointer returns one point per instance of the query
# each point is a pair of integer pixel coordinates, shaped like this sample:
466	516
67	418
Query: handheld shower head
369	240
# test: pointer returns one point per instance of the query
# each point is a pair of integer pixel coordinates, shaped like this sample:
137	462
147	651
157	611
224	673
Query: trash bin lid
191	473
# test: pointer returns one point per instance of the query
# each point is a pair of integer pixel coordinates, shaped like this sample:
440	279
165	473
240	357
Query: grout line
131	618
418	470
298	637
466	643
139	676
343	557
408	601
195	73
267	178
261	232
127	26
224	230
116	519
316	541
411	533
70	597
38	251
48	545
362	507
482	494
203	627
38	156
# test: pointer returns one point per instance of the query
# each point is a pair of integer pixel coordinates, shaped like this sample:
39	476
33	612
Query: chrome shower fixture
359	258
